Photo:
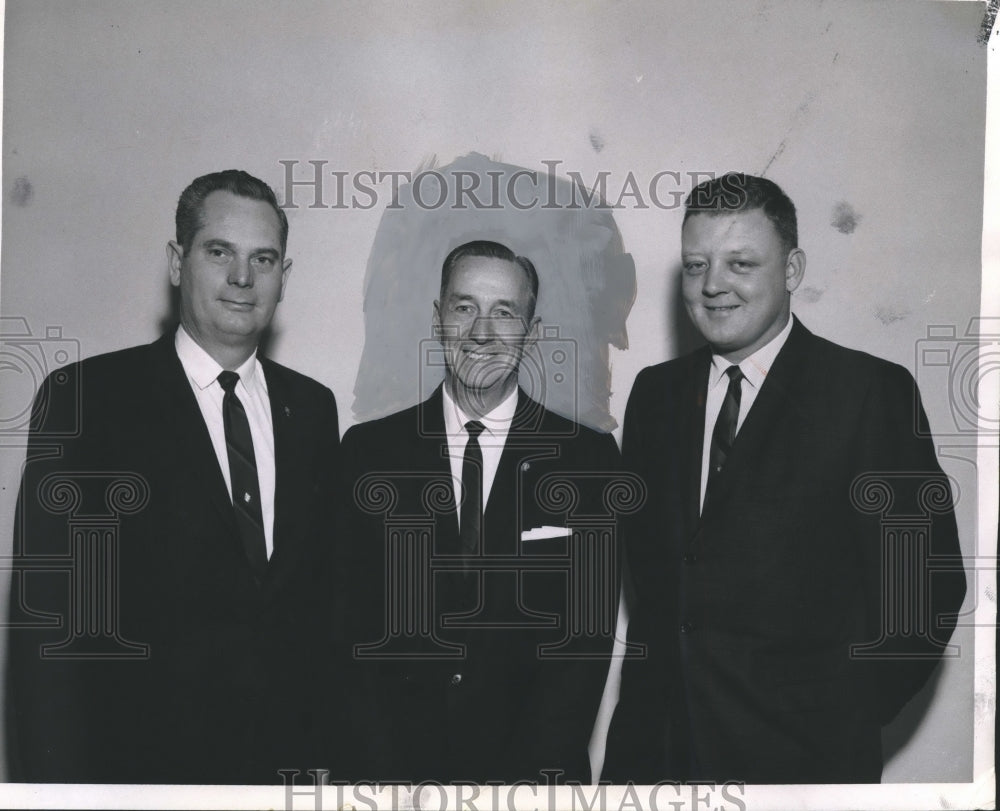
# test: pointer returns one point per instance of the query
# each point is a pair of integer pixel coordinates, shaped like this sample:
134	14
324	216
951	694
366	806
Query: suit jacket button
686	627
456	679
690	558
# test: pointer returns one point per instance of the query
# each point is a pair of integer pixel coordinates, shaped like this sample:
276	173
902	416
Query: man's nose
483	329
713	282
241	273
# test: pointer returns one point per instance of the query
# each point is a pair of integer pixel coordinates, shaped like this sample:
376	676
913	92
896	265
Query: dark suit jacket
494	705
219	689
748	612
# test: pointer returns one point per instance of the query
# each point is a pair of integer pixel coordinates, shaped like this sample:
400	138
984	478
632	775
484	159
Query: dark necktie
725	427
471	514
243	473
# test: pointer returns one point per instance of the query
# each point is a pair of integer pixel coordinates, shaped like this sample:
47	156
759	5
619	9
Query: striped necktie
243	473
724	433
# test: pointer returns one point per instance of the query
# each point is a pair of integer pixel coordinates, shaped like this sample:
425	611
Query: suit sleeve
358	751
635	752
53	705
903	581
558	716
315	694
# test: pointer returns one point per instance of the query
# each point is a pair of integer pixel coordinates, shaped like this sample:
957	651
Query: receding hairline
488	249
188	215
462	261
737	192
241	197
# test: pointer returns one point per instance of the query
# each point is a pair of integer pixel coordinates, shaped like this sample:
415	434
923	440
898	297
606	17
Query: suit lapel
182	420
692	427
501	493
776	396
433	456
526	440
290	447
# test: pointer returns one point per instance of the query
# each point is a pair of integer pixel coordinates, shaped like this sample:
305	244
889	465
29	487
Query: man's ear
795	269
286	268
175	258
436	330
534	332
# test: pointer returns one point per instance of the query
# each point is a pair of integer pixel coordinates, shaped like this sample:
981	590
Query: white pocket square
541	533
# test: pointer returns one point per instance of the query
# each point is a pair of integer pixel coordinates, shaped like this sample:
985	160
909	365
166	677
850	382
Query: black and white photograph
496	405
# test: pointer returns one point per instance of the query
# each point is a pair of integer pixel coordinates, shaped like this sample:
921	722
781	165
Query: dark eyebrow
229	246
265	252
219	243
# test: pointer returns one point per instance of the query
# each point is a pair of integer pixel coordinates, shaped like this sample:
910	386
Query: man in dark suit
797	560
484	552
172	519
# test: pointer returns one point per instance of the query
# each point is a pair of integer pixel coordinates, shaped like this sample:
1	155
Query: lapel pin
288	411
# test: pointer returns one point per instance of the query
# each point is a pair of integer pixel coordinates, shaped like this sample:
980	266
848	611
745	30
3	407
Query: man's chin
721	340
484	387
240	328
485	375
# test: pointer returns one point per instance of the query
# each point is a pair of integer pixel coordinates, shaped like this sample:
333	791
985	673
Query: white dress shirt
202	373
491	441
755	368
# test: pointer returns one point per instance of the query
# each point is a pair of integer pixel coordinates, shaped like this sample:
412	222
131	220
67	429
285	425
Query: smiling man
783	623
465	513
485	319
187	646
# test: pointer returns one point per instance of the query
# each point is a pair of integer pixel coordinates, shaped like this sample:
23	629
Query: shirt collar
754	367
497	422
202	368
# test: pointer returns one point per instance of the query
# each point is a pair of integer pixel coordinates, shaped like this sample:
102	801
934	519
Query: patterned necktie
725	427
471	514
243	473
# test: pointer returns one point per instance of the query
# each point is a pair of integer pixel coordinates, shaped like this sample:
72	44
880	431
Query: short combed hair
188	219
735	191
489	250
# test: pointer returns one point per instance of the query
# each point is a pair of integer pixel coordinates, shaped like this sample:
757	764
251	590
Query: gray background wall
869	114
